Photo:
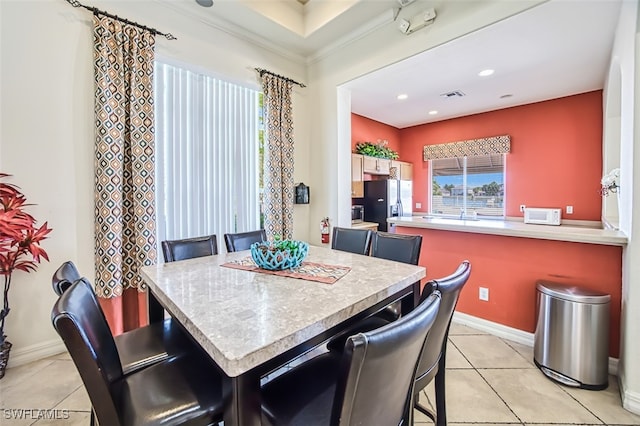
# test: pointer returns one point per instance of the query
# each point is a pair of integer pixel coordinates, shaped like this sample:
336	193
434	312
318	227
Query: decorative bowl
279	255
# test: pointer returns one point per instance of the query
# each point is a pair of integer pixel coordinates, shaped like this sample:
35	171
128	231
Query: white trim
35	352
630	399
519	336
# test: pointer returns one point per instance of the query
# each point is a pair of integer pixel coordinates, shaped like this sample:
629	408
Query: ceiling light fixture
485	73
434	112
402	96
205	3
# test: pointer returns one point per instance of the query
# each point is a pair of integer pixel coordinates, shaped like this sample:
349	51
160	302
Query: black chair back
398	247
189	248
436	343
81	324
351	240
378	369
64	276
243	240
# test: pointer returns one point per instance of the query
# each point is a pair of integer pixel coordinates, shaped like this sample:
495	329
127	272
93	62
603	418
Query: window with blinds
207	155
469	187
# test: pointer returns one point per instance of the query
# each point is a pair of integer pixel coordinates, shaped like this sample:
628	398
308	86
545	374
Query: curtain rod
263	71
97	11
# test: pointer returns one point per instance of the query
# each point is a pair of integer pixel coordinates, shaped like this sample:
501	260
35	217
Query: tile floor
490	381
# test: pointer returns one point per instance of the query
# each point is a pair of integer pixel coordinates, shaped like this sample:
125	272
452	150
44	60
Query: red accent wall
555	159
510	266
364	129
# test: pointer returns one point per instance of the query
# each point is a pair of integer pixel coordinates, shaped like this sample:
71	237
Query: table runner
309	271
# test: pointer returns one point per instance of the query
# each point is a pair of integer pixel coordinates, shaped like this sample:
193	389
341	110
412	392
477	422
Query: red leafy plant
20	240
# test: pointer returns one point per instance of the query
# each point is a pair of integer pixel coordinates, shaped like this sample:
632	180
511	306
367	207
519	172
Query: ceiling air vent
454	94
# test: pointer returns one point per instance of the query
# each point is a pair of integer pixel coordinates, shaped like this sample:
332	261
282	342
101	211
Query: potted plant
376	149
19	249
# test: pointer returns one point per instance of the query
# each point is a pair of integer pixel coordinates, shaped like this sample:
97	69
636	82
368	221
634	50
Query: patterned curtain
124	168
278	162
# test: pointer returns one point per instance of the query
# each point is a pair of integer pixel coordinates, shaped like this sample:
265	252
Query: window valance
468	148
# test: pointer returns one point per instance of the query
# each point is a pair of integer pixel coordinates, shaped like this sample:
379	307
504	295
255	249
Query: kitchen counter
365	225
578	234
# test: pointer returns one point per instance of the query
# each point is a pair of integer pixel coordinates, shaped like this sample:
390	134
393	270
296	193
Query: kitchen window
469	187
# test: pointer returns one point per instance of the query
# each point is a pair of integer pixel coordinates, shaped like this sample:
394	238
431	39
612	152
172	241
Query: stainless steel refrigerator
386	198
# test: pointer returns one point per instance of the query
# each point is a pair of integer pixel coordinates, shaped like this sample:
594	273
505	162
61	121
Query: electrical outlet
483	294
418	205
569	209
522	207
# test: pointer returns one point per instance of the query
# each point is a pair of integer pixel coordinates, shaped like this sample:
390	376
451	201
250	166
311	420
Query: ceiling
556	49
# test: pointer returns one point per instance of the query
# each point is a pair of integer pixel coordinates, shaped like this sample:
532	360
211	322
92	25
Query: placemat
309	271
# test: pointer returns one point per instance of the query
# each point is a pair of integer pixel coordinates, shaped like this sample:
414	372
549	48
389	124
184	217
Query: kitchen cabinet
404	170
357	180
376	166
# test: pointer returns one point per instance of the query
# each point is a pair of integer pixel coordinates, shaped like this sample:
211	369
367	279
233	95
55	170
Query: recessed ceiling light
402	96
485	73
434	112
205	3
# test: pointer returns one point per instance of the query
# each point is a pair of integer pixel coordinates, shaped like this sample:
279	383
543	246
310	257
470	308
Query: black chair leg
441	405
424	410
92	419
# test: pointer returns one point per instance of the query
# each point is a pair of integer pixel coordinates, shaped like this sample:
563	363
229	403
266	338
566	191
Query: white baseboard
35	352
510	333
630	400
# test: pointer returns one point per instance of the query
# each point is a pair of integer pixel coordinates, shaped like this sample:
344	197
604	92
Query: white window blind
206	155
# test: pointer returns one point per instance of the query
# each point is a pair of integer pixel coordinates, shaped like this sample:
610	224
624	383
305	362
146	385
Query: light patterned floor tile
470	399
605	404
489	352
455	359
536	399
44	389
525	351
77	401
73	419
459	329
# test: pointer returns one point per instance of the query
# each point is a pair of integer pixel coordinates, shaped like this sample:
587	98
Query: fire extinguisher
324	230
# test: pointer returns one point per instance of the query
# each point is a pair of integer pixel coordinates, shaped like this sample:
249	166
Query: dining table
252	322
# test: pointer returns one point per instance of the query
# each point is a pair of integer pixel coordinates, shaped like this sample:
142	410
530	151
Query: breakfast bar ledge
509	228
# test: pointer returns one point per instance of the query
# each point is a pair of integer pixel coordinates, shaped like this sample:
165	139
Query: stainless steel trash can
571	342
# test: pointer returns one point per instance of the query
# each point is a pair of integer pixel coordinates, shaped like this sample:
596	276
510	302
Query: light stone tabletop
243	318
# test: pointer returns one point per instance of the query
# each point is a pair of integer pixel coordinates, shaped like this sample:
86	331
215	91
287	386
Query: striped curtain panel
124	168
278	167
207	154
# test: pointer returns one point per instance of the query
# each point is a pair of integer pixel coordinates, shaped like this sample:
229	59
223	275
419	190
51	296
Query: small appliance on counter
542	216
357	213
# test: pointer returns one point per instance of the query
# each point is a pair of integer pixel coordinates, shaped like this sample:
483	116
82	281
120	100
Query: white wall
46	131
620	98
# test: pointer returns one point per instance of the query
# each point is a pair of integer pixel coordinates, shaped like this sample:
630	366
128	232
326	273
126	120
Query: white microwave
542	216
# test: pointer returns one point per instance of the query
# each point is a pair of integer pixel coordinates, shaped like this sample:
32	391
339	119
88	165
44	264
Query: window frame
465	213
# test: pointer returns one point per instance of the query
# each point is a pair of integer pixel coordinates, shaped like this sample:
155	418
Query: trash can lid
572	293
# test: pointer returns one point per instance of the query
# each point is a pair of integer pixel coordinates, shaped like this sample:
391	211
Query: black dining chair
137	348
351	240
369	383
433	358
399	248
189	248
243	240
177	391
